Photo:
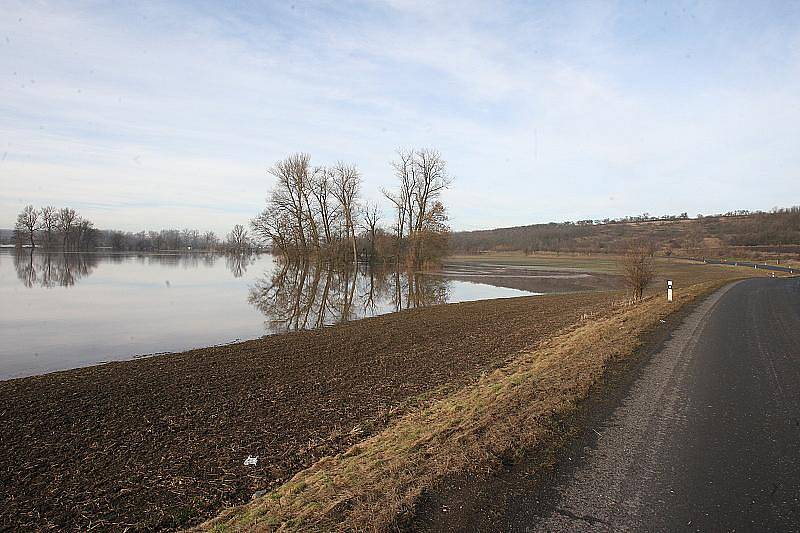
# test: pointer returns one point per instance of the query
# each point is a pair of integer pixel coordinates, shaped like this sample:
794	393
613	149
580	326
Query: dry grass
507	412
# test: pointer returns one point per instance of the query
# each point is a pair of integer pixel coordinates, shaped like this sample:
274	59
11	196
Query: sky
146	115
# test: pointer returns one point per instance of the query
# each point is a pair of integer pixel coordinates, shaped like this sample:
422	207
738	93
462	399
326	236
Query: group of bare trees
420	226
65	229
51	227
318	210
311	210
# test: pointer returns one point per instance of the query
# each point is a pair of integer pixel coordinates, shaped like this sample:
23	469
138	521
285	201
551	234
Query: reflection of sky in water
468	292
100	308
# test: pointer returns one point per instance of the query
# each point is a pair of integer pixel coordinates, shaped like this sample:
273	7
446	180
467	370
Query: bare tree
423	177
403	200
49	217
638	268
210	239
170	239
399	205
237	239
321	185
155	239
28	223
190	237
371	217
290	195
431	179
274	226
66	220
346	186
84	229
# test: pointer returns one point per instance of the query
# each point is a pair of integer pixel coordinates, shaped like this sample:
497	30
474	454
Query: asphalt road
707	439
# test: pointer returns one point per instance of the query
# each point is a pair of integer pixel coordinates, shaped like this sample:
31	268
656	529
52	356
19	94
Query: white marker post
669	290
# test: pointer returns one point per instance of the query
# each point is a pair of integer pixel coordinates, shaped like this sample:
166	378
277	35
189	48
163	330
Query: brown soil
160	442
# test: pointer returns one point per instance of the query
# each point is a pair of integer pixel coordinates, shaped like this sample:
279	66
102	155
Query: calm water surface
60	311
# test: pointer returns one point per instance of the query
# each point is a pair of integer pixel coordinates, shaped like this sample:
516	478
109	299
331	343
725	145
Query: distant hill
738	233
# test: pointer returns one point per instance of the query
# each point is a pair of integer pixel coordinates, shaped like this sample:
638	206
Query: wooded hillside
739	233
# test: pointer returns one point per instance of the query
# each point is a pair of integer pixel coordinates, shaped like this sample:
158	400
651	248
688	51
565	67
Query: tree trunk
353	238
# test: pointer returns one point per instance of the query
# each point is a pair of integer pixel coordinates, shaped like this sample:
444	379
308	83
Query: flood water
60	311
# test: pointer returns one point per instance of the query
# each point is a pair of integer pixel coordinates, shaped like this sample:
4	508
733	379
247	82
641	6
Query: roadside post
669	290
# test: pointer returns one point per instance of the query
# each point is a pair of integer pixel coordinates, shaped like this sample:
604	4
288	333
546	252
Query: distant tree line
161	240
318	211
64	229
644	217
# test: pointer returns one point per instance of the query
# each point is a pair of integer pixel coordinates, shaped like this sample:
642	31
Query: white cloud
580	111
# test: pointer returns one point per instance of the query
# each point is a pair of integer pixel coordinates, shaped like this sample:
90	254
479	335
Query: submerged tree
53	222
210	240
237	240
420	213
370	224
317	210
49	223
85	234
346	186
310	210
27	224
66	221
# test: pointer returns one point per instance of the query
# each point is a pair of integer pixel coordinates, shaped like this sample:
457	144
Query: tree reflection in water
237	263
52	269
306	295
292	296
46	269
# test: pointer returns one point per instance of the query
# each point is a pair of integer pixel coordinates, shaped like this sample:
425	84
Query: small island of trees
50	227
318	211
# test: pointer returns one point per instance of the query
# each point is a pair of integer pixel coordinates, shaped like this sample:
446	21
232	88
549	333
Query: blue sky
149	115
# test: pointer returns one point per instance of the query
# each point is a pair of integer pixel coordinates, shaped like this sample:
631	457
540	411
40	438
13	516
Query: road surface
708	438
